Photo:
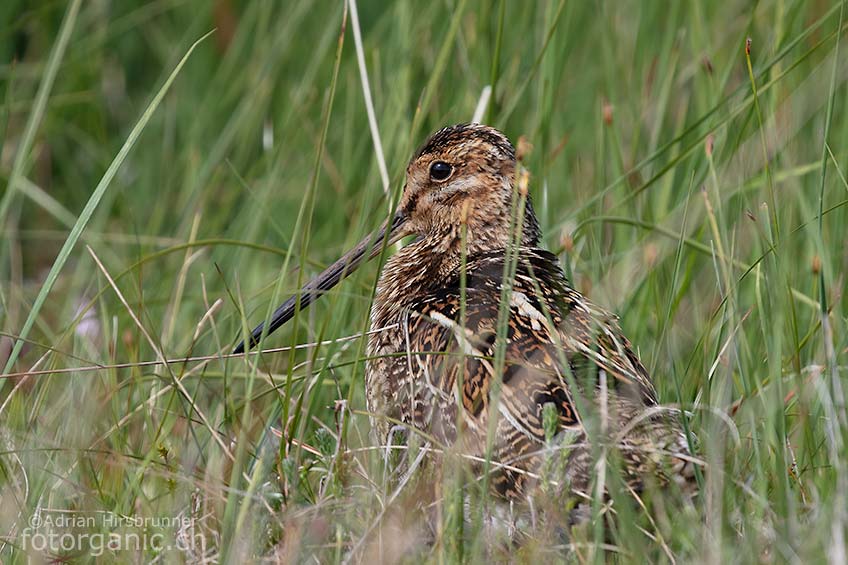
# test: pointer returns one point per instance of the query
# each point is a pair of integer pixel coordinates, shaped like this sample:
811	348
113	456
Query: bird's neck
434	261
412	272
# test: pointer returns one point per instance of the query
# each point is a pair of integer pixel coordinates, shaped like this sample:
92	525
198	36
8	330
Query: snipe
439	366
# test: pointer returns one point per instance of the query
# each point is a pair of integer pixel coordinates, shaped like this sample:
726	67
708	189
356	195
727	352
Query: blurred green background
676	197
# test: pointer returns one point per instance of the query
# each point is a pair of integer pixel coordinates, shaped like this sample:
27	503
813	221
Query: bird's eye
440	170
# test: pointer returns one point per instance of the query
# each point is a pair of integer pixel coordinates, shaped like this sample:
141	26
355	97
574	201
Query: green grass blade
91	205
38	108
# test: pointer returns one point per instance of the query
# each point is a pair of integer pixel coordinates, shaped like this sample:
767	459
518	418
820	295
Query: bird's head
463	174
462	177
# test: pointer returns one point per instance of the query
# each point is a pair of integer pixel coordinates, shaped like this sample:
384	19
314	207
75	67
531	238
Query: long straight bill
365	250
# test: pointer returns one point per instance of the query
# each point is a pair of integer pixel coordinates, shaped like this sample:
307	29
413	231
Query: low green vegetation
162	187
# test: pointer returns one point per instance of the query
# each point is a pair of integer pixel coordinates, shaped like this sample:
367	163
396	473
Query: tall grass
695	188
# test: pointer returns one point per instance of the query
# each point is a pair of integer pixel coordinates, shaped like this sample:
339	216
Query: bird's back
556	349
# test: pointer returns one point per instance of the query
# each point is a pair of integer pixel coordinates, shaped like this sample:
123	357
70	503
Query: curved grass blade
91	205
38	107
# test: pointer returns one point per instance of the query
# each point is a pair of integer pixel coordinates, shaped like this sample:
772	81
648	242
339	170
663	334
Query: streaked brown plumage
436	366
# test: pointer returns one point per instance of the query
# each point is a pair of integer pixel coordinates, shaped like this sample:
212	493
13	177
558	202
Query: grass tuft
693	187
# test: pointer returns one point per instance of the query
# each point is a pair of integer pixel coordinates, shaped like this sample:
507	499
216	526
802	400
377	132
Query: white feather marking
458	332
520	302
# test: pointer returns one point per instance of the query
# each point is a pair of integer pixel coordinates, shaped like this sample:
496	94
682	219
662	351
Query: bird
479	341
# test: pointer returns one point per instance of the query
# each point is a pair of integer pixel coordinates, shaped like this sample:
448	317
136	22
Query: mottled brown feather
437	363
436	371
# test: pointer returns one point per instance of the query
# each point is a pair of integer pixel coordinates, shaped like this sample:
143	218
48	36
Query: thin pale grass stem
369	103
156	349
188	260
482	104
91	205
194	358
766	159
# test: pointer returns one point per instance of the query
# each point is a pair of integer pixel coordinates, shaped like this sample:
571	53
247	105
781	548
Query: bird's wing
553	337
